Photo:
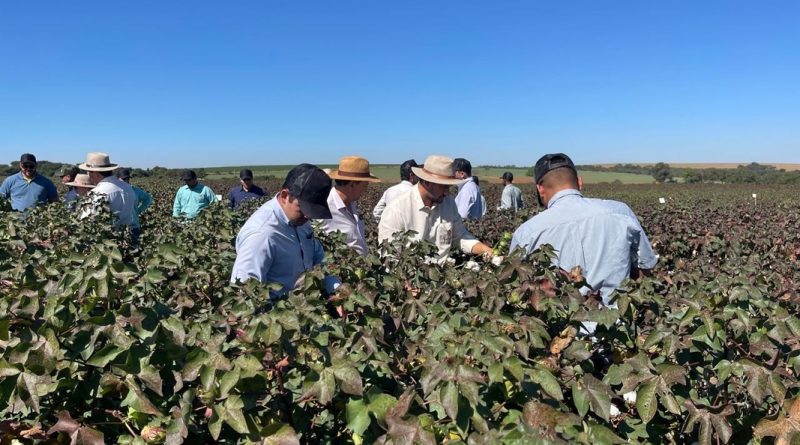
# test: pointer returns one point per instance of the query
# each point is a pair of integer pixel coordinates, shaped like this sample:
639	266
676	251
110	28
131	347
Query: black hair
462	165
405	169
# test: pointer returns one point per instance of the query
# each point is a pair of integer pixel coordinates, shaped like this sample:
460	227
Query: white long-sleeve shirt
346	220
121	199
468	200
390	193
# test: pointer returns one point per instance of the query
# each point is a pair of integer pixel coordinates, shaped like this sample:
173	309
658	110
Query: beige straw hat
353	168
98	162
438	170
81	180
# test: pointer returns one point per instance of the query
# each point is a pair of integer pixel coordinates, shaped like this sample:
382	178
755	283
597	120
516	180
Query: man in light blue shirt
512	195
192	197
143	199
28	188
468	199
601	236
277	244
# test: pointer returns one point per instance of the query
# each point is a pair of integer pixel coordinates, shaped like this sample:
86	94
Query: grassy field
390	173
779	166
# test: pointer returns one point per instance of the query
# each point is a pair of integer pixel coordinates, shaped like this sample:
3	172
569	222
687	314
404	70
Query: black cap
311	186
27	158
550	162
124	173
245	174
188	175
507	176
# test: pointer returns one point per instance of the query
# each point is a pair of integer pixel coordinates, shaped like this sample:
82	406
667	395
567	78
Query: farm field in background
152	344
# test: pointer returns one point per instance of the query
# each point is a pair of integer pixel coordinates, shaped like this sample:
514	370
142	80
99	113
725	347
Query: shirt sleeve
505	200
143	202
176	206
390	224
231	200
465	239
253	258
210	196
52	192
464	202
5	188
378	210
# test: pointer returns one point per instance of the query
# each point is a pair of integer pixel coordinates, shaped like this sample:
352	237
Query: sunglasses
27	166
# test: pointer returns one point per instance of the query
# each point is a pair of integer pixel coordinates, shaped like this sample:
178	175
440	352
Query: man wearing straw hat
350	181
120	196
80	186
28	188
429	210
67	173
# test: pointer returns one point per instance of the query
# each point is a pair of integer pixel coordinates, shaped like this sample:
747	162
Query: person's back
121	200
511	198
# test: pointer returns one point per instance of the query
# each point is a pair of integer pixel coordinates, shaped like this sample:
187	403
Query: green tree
661	172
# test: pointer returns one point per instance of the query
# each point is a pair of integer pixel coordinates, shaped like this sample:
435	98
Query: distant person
120	196
512	195
277	244
143	199
407	180
468	198
350	181
245	190
67	173
192	197
601	236
429	210
483	198
28	188
81	185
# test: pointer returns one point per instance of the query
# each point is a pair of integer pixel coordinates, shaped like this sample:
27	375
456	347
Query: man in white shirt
119	194
350	182
512	195
429	210
407	180
468	198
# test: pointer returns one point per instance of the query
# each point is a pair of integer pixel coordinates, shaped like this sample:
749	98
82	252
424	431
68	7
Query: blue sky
190	84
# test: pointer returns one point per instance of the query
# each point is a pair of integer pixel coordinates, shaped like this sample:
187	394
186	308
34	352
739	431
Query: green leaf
496	372
280	434
548	382
579	396
357	416
646	402
234	416
104	356
380	404
349	379
228	381
449	397
599	395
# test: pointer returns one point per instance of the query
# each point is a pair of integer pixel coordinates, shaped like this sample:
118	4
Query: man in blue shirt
143	199
277	244
28	188
246	190
192	197
601	236
468	199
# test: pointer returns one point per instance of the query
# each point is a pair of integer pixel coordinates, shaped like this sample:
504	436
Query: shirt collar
468	180
277	210
562	194
336	200
418	203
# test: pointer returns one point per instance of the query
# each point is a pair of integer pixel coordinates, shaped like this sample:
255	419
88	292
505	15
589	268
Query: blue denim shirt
604	237
271	250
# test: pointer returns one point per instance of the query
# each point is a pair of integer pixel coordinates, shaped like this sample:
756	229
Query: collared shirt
71	195
387	197
272	250
440	224
190	201
121	200
604	237
468	200
143	200
25	193
238	195
511	198
346	220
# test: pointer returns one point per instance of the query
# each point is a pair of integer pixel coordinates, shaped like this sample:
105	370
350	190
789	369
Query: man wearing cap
350	181
277	244
67	174
119	194
468	198
407	180
245	191
143	199
28	188
601	236
192	197
429	210
512	195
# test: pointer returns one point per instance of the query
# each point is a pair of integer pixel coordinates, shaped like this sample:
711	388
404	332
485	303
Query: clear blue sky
199	83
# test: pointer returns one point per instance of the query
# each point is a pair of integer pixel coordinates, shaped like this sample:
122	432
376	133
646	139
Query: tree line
48	168
753	173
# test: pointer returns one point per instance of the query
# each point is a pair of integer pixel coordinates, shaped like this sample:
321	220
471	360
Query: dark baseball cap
550	162
507	176
27	158
245	174
311	186
124	173
188	175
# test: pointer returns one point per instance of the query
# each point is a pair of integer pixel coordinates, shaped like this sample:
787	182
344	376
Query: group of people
277	242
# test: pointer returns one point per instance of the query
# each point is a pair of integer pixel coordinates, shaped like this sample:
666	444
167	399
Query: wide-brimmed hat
353	168
81	180
98	162
438	170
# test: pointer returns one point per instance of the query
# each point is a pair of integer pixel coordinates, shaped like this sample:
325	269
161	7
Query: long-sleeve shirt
238	195
468	200
272	250
511	198
25	193
121	200
190	201
604	237
143	200
387	197
440	224
345	219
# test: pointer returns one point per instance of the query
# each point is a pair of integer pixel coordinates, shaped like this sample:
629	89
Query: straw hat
353	168
81	180
438	170
98	162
